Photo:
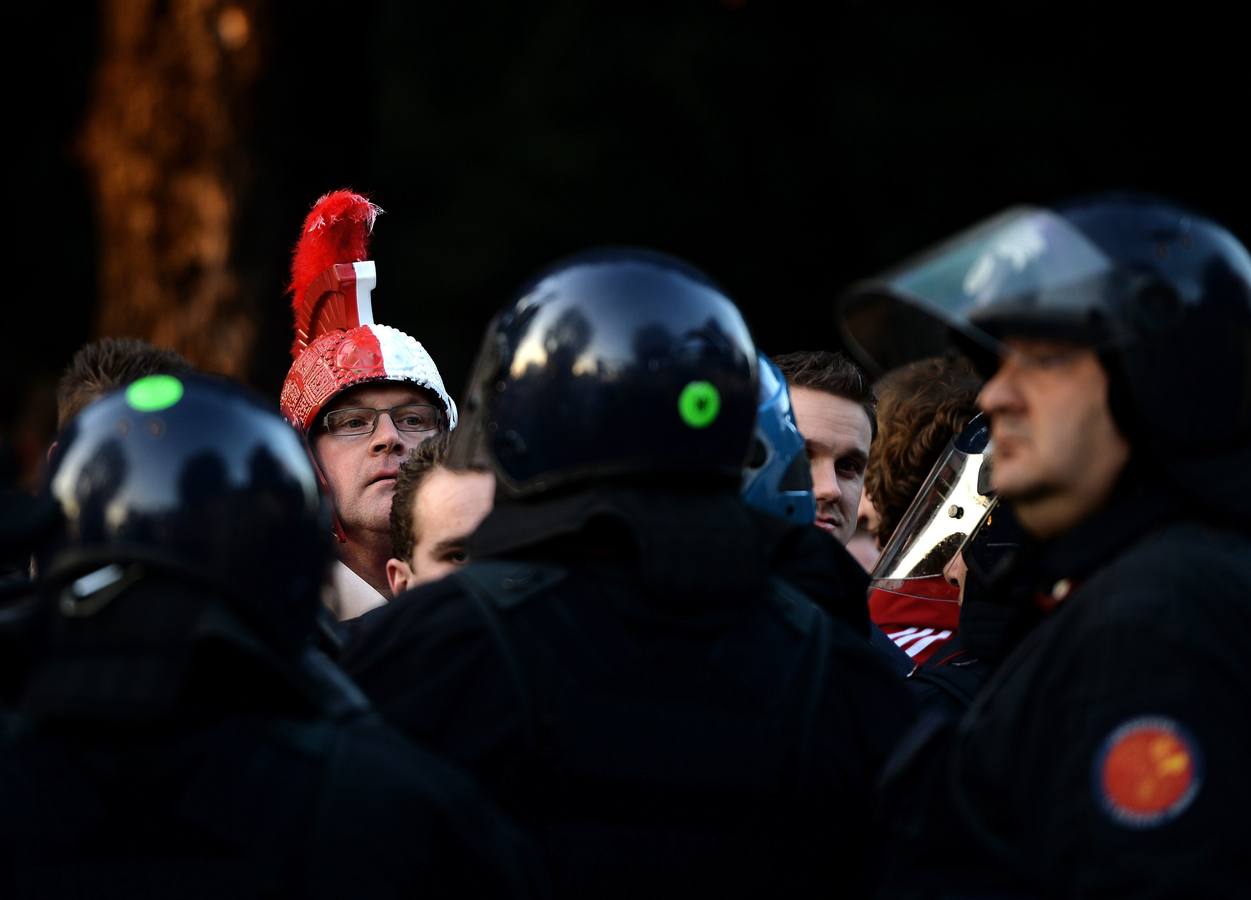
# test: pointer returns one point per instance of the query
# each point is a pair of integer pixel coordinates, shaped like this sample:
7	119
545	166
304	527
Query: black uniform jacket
1110	754
157	750
620	673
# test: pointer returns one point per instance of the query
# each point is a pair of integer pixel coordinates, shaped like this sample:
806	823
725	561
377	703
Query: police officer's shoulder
438	627
409	818
1186	567
436	605
861	682
848	657
1141	656
506	584
818	566
440	604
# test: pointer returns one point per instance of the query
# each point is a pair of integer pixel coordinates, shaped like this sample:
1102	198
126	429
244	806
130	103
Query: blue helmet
776	478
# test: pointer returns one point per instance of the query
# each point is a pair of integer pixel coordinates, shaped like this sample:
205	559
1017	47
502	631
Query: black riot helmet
1161	293
613	363
191	477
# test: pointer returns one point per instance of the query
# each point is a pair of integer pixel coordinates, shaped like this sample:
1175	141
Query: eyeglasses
363	420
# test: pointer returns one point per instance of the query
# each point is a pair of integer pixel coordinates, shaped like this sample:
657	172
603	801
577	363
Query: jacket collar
694	542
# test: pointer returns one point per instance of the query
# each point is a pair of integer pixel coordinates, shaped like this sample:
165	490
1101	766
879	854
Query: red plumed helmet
331	278
337	345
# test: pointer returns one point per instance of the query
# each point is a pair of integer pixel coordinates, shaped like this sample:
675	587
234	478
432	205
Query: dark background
787	149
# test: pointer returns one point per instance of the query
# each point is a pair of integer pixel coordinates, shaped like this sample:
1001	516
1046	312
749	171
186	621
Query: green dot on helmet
699	404
154	393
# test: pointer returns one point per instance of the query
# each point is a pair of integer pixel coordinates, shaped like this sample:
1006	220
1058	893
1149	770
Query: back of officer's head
619	365
193	479
109	363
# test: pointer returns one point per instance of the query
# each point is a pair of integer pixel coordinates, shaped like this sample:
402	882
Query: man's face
1057	452
447	507
836	434
361	469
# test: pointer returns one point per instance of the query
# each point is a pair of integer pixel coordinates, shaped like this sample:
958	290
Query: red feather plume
336	231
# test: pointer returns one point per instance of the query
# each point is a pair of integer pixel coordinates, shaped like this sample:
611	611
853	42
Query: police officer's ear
399	576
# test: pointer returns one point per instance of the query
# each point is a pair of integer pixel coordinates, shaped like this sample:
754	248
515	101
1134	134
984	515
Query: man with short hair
110	362
359	442
363	395
834	410
1106	757
434	511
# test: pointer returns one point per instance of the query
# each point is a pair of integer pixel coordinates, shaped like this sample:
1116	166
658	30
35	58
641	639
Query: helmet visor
1026	270
944	515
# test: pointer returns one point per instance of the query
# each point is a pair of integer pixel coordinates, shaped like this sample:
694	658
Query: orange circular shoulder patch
1147	772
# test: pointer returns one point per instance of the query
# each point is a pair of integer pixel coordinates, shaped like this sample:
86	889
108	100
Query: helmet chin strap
1121	399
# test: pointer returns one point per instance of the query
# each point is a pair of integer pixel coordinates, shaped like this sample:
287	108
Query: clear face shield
1026	265
944	517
